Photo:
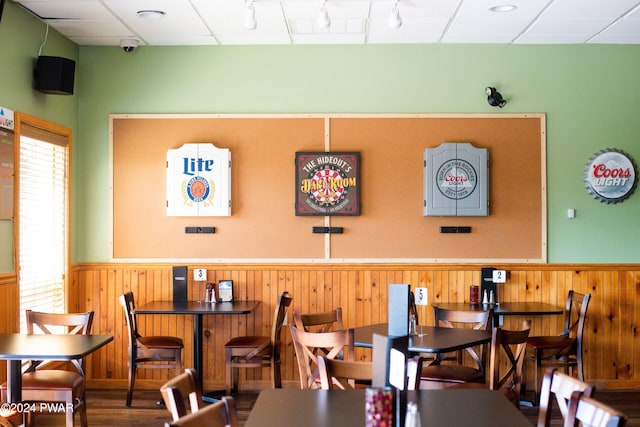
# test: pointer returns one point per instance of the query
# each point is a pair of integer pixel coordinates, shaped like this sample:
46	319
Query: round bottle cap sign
610	176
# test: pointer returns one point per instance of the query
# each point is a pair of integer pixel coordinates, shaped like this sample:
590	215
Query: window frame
22	120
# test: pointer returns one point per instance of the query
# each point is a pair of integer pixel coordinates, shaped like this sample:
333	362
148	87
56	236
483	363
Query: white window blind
43	195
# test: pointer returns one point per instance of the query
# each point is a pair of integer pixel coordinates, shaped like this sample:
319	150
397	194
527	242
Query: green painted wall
591	95
21	36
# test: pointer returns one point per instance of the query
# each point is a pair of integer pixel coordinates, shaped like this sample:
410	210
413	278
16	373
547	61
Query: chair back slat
180	389
219	414
342	374
561	386
325	321
588	412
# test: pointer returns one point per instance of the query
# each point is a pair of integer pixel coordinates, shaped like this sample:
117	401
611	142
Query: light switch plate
421	296
199	274
499	276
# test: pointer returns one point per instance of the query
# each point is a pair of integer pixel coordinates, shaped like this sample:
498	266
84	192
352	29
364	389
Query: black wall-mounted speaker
55	75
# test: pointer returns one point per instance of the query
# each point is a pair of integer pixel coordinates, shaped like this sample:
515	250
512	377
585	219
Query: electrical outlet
421	296
199	274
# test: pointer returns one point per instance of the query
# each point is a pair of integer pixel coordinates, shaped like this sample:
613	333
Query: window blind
43	196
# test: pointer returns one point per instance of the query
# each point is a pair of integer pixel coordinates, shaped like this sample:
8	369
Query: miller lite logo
198	181
610	176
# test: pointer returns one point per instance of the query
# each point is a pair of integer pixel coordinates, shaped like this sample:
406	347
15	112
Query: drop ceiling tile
589	9
549	38
86	10
569	25
180	19
83	28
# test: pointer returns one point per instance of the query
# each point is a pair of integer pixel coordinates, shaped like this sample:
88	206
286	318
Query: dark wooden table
18	347
429	339
524	308
337	408
198	309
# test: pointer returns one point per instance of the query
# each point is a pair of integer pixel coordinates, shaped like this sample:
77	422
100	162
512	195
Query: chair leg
537	376
228	360
178	359
236	380
132	380
276	377
83	410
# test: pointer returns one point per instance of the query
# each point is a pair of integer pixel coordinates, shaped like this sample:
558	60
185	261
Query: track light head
494	98
395	20
250	22
324	21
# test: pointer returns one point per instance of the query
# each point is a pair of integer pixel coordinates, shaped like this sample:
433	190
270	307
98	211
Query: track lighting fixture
494	98
395	21
324	21
250	22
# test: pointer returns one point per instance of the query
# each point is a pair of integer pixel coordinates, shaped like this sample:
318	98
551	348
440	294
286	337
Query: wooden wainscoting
612	344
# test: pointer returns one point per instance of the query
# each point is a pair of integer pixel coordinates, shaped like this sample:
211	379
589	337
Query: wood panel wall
612	343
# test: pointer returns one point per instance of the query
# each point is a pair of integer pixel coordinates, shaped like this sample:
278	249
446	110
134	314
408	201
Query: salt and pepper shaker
413	417
492	298
485	297
413	325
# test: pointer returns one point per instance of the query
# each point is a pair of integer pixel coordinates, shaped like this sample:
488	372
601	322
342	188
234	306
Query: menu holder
399	295
225	290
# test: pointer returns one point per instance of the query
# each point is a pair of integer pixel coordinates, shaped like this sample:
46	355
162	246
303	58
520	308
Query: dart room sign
327	183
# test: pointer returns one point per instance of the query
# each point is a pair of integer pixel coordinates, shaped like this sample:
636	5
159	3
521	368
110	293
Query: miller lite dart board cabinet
198	181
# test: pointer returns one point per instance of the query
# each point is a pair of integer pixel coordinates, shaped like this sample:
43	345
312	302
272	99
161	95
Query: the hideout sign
327	183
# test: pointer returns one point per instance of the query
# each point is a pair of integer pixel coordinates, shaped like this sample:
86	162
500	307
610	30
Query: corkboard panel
391	226
262	224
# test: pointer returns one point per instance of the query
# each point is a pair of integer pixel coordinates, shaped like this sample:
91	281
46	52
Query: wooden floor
106	409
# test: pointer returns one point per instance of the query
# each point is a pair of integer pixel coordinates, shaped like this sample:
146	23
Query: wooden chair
180	389
258	351
319	322
564	350
148	352
342	374
437	374
561	386
588	412
10	418
304	344
219	414
505	363
57	385
325	321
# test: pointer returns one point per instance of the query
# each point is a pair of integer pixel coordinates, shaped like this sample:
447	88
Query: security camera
128	45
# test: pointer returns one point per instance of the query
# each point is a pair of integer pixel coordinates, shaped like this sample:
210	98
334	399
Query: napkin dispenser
488	287
180	283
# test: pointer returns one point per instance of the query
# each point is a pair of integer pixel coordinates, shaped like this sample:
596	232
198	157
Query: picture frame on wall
327	183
